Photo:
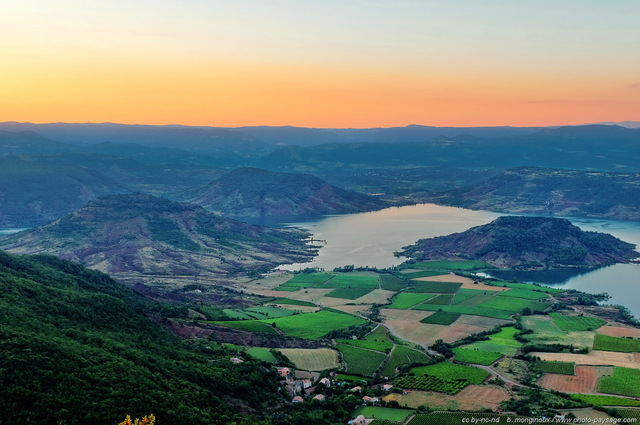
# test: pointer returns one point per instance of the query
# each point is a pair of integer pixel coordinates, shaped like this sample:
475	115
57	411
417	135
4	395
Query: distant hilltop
253	192
526	242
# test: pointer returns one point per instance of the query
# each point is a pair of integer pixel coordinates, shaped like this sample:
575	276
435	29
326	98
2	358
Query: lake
370	239
10	231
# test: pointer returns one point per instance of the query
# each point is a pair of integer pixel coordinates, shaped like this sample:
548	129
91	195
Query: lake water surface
370	239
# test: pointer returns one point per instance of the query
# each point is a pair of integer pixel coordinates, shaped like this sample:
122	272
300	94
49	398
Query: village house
306	383
326	382
370	400
236	360
359	420
319	397
387	387
297	399
284	371
355	389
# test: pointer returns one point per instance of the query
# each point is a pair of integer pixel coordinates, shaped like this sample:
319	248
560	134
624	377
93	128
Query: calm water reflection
371	238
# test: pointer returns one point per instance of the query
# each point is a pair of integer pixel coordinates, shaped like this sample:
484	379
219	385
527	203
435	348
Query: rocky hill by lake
139	237
526	242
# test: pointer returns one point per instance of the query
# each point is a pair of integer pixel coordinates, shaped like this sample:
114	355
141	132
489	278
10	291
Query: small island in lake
526	243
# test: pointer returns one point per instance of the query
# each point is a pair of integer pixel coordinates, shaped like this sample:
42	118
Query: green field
561	368
403	355
349	293
312	358
268	312
528	287
465	294
612	343
502	342
462	309
514	305
287	288
543	327
476	356
442	299
384	422
524	293
261	353
452	265
351	281
387	413
624	381
576	323
350	378
629	413
476	300
291	302
452	371
308	279
441	318
606	400
391	283
314	325
434	287
254	326
432	383
376	340
423	273
237	314
359	360
405	300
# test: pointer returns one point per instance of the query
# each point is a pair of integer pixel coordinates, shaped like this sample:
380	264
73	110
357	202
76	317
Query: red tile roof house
354	389
387	387
319	397
370	400
326	382
284	371
306	383
297	399
360	420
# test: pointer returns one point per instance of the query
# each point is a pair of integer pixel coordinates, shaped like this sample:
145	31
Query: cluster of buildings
299	383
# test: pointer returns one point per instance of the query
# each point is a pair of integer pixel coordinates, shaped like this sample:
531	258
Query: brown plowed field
584	381
406	324
473	397
485	322
595	358
619	331
450	277
353	308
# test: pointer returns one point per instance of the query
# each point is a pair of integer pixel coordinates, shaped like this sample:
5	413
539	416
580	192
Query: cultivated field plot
475	356
441	318
376	340
314	359
606	400
442	299
484	287
514	305
502	342
261	353
434	287
619	331
450	277
377	296
589	415
392	283
561	368
352	309
349	293
247	325
612	343
452	371
543	327
307	279
624	381
475	300
629	413
472	397
463	309
289	301
466	294
351	281
595	358
360	361
386	413
524	293
576	323
432	383
314	325
529	287
486	322
406	325
422	273
585	380
403	355
406	300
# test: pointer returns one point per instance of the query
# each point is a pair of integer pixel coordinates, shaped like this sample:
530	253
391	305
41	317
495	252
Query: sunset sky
320	63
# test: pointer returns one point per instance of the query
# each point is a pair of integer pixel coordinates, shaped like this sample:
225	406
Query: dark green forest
77	347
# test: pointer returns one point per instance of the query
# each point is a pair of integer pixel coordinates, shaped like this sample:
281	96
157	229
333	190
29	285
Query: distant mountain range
138	237
252	192
526	242
545	191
